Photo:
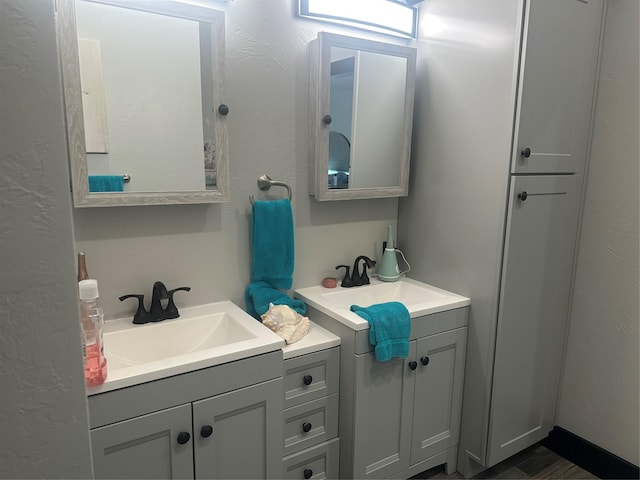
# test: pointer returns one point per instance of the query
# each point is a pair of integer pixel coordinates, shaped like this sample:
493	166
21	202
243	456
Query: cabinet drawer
320	461
310	423
312	376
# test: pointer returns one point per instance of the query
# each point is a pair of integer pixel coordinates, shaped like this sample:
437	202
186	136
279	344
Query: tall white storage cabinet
504	96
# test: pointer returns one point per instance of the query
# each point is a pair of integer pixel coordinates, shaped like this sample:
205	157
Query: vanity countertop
420	299
204	336
317	339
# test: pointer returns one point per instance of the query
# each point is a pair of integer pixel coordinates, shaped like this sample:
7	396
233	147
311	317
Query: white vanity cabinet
311	402
218	422
400	417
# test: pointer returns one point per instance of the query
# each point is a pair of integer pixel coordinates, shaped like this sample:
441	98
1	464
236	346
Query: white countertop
420	299
317	339
204	336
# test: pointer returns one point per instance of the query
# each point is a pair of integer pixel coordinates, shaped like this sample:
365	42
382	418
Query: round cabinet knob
308	473
424	361
327	119
206	431
307	379
183	437
223	109
522	196
413	365
526	153
306	427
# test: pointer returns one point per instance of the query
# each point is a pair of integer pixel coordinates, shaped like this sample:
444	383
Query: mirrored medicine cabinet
143	97
361	107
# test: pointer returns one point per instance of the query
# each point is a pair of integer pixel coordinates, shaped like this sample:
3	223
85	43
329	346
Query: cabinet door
438	393
239	434
158	446
557	80
537	265
383	408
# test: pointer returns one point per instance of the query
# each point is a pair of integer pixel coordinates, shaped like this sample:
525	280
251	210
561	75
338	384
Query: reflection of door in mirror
370	87
153	97
341	108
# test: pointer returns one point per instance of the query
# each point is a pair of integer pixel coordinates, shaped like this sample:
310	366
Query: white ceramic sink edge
419	298
246	338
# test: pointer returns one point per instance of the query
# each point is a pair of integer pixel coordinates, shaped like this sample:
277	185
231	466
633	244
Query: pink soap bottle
92	320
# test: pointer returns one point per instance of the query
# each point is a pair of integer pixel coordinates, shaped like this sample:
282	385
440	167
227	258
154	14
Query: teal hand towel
106	183
273	247
389	328
259	295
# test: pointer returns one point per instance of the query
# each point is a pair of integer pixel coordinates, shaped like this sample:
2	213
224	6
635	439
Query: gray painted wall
599	394
43	410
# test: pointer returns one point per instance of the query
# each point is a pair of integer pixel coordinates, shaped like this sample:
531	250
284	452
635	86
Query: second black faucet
356	279
157	312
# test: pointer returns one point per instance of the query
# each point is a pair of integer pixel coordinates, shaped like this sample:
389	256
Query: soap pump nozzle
389	271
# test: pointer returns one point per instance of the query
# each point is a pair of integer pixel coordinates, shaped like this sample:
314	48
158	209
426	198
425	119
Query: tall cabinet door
158	446
384	400
239	434
557	80
438	393
537	266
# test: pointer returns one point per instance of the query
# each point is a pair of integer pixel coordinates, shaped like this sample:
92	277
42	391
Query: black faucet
358	278
157	312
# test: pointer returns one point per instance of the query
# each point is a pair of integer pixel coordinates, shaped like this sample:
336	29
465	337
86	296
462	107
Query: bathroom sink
419	298
203	336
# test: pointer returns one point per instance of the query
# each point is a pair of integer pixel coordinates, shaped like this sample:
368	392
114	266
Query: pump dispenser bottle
388	270
91	320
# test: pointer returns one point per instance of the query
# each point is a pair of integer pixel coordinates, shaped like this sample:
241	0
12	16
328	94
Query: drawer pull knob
206	431
183	437
526	153
308	473
424	360
307	379
413	365
306	427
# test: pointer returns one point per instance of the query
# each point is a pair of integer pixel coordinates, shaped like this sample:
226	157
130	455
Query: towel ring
265	183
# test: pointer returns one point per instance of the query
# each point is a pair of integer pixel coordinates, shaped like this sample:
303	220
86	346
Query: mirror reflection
142	99
373	86
361	107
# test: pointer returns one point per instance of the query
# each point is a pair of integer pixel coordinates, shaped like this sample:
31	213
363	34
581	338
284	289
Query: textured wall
599	394
207	247
43	413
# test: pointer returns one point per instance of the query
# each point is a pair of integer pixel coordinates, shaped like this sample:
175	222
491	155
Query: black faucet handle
347	280
171	311
141	316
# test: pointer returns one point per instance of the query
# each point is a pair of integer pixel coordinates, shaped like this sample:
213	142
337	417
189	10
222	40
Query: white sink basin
419	298
203	336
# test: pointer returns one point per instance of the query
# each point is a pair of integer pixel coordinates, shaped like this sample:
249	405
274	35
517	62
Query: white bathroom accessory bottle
91	321
388	270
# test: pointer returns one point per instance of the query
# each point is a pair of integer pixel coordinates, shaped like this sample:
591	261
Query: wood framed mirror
361	107
143	93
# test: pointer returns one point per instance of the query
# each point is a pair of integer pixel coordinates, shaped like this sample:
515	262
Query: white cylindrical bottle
91	320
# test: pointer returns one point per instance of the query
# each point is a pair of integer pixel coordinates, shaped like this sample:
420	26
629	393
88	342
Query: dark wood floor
535	462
